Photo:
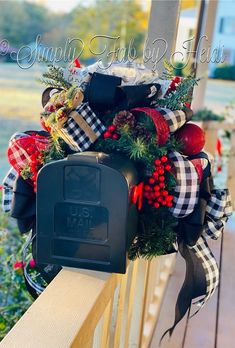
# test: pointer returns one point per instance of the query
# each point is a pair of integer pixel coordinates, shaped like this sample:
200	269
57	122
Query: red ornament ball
192	137
111	128
168	167
164	159
157	162
107	135
115	136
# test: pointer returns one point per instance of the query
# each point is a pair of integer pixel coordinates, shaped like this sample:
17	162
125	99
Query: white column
162	32
204	46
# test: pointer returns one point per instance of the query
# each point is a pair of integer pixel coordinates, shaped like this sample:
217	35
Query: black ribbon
194	285
191	226
104	92
189	230
23	205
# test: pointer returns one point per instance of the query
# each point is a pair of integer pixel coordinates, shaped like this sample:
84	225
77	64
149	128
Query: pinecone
143	133
124	118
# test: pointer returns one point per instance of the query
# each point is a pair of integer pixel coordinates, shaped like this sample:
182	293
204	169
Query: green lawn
20	92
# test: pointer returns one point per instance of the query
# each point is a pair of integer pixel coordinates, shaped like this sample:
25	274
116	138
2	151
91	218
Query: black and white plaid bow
202	272
186	192
175	118
80	141
218	209
7	194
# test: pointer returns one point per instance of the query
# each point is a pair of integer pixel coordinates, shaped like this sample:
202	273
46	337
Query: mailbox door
82	210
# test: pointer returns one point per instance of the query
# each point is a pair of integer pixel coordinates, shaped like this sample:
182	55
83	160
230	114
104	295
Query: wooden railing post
211	134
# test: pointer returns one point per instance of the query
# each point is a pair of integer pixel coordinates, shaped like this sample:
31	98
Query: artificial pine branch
183	93
137	149
156	234
26	173
54	78
169	69
53	152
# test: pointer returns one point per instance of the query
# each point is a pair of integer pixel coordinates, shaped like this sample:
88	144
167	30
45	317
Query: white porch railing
84	309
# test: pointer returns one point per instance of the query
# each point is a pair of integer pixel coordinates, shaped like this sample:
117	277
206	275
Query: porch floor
214	325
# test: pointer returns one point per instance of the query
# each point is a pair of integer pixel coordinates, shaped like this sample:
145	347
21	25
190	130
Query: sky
68	5
61	6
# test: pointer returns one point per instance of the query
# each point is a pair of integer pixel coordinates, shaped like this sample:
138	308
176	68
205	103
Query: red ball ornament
107	135
157	162
164	159
155	175
111	128
147	195
165	193
147	188
115	136
168	167
192	137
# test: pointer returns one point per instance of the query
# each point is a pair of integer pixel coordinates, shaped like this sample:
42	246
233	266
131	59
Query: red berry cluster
36	162
154	190
174	83
111	133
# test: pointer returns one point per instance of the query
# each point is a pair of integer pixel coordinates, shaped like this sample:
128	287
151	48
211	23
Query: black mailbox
85	217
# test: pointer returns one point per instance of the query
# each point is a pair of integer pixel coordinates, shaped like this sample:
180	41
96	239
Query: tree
21	22
115	18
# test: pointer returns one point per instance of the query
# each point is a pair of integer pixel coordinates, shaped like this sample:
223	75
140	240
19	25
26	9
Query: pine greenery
54	78
54	152
156	234
183	93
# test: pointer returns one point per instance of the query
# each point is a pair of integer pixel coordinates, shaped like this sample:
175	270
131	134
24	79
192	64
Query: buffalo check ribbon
175	118
202	272
7	194
218	210
186	192
82	128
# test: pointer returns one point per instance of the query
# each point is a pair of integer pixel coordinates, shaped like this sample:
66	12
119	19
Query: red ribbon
21	149
160	123
219	151
198	166
77	63
137	195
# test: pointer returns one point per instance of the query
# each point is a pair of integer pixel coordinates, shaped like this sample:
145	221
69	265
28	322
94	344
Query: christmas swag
144	118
